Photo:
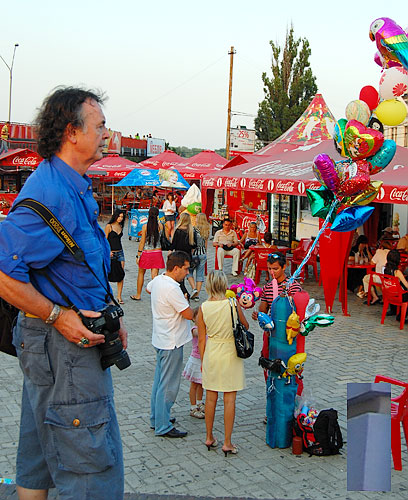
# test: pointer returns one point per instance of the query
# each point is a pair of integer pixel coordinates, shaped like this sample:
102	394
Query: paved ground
354	349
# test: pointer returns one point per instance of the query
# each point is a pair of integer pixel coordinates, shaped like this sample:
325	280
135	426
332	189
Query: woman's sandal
213	445
234	450
120	301
133	297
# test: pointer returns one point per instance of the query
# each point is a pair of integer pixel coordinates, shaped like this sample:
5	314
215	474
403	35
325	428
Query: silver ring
83	342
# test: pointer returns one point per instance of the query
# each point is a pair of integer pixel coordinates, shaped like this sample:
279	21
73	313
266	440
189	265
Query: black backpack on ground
324	437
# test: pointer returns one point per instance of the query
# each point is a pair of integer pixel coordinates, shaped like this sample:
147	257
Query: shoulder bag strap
64	236
231	301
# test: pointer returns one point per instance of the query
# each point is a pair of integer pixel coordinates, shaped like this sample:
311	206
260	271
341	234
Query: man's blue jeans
166	384
3	146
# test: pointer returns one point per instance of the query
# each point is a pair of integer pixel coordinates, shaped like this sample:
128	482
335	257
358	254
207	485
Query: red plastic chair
261	261
227	257
403	262
300	253
393	294
399	415
372	283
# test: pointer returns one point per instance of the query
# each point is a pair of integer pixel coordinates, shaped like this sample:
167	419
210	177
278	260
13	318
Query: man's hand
69	325
123	334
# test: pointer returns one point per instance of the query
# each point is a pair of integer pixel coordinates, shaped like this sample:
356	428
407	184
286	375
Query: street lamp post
10	68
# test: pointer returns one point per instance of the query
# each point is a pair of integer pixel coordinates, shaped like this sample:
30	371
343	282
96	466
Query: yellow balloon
391	112
366	196
230	294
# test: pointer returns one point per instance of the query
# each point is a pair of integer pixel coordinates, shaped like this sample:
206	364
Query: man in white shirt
226	240
171	330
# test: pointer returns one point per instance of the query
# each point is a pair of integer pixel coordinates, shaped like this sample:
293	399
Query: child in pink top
192	372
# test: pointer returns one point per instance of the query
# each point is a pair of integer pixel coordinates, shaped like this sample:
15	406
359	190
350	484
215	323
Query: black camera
108	324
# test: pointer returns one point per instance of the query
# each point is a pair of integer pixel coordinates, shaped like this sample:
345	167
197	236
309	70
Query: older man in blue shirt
69	435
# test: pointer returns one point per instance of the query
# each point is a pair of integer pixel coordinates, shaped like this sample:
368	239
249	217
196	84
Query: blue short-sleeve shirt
27	243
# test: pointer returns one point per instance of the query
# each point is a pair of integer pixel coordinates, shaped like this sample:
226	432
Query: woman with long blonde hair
184	239
202	229
222	369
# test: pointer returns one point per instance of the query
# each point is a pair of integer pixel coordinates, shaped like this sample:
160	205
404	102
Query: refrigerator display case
282	222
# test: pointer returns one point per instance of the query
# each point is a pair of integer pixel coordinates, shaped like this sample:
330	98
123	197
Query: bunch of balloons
359	137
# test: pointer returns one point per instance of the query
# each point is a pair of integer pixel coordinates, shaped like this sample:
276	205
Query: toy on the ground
292	327
247	293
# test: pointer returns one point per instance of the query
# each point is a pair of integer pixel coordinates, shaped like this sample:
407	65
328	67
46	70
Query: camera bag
9	313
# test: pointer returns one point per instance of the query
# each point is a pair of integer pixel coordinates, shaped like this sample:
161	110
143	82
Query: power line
175	88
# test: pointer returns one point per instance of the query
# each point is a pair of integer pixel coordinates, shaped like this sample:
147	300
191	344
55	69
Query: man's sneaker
195	412
194	294
174	433
234	273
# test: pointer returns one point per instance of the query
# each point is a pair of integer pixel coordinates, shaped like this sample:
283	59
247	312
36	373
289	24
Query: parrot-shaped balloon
391	40
317	320
292	327
265	321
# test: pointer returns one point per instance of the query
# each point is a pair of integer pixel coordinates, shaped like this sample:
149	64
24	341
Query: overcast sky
165	65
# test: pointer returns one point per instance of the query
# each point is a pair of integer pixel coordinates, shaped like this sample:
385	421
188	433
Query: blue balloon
351	218
382	157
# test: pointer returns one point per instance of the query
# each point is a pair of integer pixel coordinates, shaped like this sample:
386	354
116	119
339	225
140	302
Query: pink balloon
324	169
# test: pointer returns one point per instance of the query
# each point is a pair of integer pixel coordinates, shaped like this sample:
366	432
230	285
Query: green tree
289	91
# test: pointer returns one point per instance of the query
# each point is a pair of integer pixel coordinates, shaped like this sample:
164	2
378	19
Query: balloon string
296	274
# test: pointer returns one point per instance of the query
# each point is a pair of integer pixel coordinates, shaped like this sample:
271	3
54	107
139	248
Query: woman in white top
169	209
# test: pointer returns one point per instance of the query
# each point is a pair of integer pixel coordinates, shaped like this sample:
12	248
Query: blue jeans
69	434
200	269
166	384
3	147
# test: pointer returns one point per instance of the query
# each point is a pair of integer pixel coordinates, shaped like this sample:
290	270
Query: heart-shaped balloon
351	218
338	136
354	177
382	157
324	169
361	141
366	197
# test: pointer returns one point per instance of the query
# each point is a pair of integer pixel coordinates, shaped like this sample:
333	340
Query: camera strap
68	241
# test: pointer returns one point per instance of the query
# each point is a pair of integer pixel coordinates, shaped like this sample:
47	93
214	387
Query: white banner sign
155	146
242	140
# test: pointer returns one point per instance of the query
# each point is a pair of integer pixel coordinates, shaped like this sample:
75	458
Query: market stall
15	167
152	178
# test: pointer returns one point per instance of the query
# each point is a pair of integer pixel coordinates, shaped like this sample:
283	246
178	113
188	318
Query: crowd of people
386	259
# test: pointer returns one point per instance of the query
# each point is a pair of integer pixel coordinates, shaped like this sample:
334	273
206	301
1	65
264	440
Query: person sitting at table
359	254
249	239
402	245
379	260
226	241
391	269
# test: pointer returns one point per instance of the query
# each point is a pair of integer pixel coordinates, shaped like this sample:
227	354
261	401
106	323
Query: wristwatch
53	315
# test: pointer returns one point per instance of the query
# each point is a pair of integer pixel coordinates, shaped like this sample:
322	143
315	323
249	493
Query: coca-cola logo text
287	187
231	183
397	195
209	182
256	184
28	160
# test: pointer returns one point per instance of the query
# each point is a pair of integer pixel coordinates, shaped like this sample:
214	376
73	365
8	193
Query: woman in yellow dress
222	370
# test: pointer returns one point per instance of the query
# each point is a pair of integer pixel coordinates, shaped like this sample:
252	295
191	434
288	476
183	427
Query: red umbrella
167	159
112	167
202	163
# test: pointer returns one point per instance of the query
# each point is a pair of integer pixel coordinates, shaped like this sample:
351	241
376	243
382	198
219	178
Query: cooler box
137	219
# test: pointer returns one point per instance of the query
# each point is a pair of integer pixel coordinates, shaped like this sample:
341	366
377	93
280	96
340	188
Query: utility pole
231	54
10	68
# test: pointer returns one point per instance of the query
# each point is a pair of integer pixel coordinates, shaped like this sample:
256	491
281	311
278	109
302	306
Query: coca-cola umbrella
112	167
202	163
167	159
